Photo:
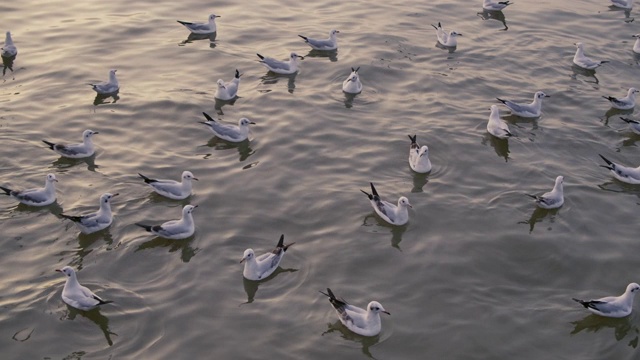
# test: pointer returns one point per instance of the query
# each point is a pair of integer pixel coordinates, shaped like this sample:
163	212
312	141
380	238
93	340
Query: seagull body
352	84
495	5
323	44
419	156
584	62
171	188
393	214
281	67
532	110
446	39
36	197
75	151
496	126
635	125
9	50
230	133
96	221
175	229
625	103
365	322
623	4
76	295
636	45
625	174
201	28
109	87
552	199
259	268
228	90
613	306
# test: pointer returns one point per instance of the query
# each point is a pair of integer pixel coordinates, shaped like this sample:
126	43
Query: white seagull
75	151
230	133
352	84
584	62
175	229
171	188
495	5
9	49
109	87
258	268
532	110
394	215
96	221
613	306
419	156
446	39
623	4
202	28
281	67
552	199
496	126
623	173
324	44
636	45
625	103
76	295
365	322
634	124
228	90
36	197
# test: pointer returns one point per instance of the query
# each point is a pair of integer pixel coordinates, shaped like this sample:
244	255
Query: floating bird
495	6
325	44
365	322
584	62
202	28
36	197
419	156
9	49
446	39
636	45
78	296
532	110
394	215
352	84
635	125
623	4
625	103
612	306
175	229
552	199
229	90
75	151
281	67
496	126
230	133
96	221
258	268
171	188
625	174
109	87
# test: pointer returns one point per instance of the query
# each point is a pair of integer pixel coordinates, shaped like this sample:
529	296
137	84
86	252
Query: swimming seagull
635	125
36	197
636	45
258	268
552	199
171	188
446	39
625	103
77	295
532	110
623	4
230	133
419	156
584	62
175	229
325	44
75	151
352	84
625	174
365	322
612	306
281	67
495	6
9	49
228	90
109	87
202	28
96	221
394	215
496	126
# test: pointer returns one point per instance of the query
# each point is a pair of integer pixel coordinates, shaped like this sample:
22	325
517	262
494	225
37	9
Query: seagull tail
414	139
6	190
208	117
50	144
146	227
260	56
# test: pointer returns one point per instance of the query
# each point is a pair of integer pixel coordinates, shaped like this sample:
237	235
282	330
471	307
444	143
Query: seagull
625	103
76	295
496	126
75	151
228	91
109	87
625	174
258	268
419	156
36	197
635	125
613	306
175	229
9	50
532	110
352	85
365	322
230	133
623	4
325	44
444	38
584	62
201	28
96	221
636	45
281	67
552	199
171	188
495	6
394	215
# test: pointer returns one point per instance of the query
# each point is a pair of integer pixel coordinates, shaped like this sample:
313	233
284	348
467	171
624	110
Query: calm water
478	273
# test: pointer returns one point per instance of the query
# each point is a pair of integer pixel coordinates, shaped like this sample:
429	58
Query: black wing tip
49	143
502	101
328	294
237	74
304	37
260	56
286	247
582	302
146	227
6	190
146	179
368	195
281	241
532	196
103	302
208	117
629	121
373	190
414	138
609	162
604	61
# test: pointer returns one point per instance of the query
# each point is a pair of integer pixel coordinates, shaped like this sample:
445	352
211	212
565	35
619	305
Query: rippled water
478	273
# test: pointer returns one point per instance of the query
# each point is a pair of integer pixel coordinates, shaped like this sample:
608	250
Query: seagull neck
579	53
112	79
50	187
72	281
8	40
186	185
105	208
88	141
187	218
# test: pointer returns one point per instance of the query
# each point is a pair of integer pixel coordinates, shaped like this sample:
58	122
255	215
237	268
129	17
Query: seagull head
632	288
455	33
220	83
106	197
424	151
187	175
403	201
295	57
333	33
67	270
579	45
87	134
213	17
51	178
559	181
540	95
245	122
633	91
376	308
248	255
188	209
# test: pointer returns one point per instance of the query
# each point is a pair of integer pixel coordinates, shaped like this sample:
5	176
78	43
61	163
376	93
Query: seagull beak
386	312
95	132
252	123
217	16
547	96
195	178
58	270
195	206
301	57
56	180
116	194
242	260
